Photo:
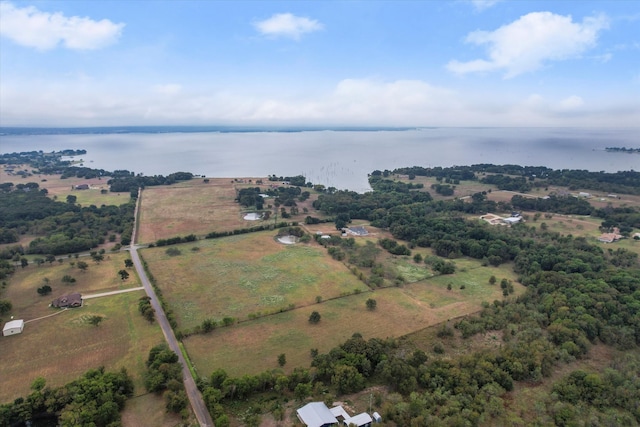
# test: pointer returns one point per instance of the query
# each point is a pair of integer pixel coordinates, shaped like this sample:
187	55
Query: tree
314	317
97	257
347	379
95	320
82	265
44	290
68	279
302	391
492	280
24	262
128	263
71	199
282	359
145	308
5	306
371	304
124	275
208	325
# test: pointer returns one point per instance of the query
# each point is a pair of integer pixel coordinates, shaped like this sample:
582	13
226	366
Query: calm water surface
340	158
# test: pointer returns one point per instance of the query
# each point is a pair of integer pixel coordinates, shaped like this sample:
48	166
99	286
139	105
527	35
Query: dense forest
523	178
60	227
95	399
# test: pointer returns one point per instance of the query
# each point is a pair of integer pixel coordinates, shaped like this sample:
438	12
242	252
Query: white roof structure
316	414
512	219
13	327
338	411
360	419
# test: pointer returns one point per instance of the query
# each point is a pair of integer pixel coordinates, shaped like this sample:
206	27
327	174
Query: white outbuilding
13	327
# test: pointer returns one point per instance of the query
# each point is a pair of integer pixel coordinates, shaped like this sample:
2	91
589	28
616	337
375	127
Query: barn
13	327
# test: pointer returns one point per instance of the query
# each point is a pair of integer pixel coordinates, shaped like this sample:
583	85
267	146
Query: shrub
314	317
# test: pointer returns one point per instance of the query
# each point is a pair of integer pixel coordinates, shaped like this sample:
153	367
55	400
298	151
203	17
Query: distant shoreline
117	130
98	130
622	150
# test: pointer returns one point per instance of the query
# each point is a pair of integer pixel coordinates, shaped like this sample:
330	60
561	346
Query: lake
341	159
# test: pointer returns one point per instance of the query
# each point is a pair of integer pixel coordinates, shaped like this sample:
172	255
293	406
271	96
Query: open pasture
463	189
254	346
246	274
190	207
59	188
102	277
61	347
399	311
470	275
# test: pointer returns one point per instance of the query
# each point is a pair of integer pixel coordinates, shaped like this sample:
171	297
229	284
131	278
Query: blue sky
320	63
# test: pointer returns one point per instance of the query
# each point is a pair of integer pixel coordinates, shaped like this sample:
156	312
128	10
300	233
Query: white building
13	327
316	414
512	220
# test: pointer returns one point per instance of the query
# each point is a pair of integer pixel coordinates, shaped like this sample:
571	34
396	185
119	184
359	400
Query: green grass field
253	346
245	275
399	311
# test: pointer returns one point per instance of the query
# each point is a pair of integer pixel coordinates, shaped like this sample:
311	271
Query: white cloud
531	41
287	25
362	101
484	4
168	89
31	27
573	102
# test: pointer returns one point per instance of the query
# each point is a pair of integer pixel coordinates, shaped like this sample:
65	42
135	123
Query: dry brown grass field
61	347
188	207
245	274
194	207
252	347
199	207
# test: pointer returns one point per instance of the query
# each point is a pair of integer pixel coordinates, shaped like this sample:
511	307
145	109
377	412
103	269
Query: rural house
611	237
68	301
316	414
82	187
357	231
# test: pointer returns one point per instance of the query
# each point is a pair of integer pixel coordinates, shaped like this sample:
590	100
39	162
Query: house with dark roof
68	301
82	187
358	230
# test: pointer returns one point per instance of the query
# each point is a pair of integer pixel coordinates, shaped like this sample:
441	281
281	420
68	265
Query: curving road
197	404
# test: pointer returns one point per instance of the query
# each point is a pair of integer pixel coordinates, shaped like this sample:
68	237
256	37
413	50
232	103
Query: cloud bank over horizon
468	63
